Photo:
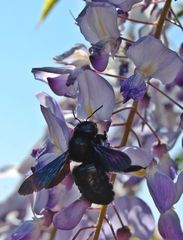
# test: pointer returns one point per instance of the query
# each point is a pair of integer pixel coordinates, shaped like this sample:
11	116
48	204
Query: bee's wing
48	176
111	159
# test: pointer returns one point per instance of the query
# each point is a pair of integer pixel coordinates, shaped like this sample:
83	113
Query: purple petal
179	95
168	166
179	79
53	197
133	88
162	190
29	230
58	84
153	59
138	156
98	23
90	96
123	233
179	186
169	226
99	58
160	149
69	217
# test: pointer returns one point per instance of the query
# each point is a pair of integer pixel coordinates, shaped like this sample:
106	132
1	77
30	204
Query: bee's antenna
94	112
75	116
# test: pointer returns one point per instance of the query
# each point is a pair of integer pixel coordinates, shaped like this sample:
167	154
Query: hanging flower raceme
152	60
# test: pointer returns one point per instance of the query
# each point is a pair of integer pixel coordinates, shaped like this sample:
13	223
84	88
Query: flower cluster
130	87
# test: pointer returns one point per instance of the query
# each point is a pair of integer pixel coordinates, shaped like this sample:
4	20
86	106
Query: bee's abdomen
93	184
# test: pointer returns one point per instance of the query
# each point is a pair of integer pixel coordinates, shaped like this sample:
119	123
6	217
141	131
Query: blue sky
24	46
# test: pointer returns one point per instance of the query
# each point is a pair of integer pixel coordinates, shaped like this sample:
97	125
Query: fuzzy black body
96	157
80	145
90	178
93	183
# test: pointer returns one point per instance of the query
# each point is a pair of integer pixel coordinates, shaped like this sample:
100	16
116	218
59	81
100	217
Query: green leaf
47	7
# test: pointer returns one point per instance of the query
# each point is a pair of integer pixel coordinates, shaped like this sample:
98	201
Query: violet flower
152	60
98	24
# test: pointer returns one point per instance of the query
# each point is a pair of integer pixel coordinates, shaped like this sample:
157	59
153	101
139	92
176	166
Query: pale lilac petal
43	160
40	201
54	117
169	226
77	56
179	186
98	23
91	97
157	183
14	203
29	230
45	72
63	234
153	59
138	156
69	217
124	5
136	215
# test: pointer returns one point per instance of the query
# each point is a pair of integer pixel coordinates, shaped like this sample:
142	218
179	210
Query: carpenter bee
87	147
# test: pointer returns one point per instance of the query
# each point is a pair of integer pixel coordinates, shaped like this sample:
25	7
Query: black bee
88	147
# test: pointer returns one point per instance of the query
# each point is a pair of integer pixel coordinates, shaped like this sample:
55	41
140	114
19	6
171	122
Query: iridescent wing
46	177
111	159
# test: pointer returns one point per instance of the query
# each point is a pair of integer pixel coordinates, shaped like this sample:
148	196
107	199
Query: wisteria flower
152	60
86	84
98	24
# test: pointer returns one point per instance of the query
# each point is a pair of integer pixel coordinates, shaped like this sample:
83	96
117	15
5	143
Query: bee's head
86	127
